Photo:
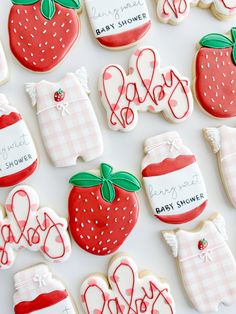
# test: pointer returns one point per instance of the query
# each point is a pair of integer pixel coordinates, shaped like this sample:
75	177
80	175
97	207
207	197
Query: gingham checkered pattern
211	279
68	135
3	65
227	159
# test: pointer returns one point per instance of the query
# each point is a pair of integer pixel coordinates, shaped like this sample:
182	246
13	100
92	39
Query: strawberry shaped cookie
215	71
103	209
42	31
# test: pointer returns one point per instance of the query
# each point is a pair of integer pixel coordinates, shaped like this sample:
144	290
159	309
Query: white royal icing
17	150
3	66
128	291
116	16
27	226
147	87
177	192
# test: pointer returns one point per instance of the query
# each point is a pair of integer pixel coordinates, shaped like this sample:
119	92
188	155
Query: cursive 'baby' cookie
67	120
18	155
37	291
126	291
205	259
27	226
173	179
176	11
42	32
147	87
215	74
118	24
103	209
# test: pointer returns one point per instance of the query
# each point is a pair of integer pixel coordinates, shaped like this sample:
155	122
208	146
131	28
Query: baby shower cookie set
104	204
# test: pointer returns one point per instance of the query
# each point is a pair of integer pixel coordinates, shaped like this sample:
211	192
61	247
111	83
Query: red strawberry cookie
103	209
42	31
215	70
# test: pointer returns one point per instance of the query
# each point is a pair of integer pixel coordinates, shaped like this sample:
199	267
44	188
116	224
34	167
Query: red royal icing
9	119
100	227
40	44
125	38
215	77
41	302
177	7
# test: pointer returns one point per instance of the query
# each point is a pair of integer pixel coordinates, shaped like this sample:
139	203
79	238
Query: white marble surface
176	46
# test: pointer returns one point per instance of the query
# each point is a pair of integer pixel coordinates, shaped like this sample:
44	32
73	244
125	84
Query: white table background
176	45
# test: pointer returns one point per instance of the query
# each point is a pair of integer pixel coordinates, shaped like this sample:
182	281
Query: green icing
48	6
123	180
219	41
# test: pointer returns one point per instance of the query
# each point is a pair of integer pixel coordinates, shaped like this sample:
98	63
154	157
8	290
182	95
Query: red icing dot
107	76
173	103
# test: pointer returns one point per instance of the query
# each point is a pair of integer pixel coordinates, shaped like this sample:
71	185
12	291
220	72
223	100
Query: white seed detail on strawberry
42	32
215	83
103	210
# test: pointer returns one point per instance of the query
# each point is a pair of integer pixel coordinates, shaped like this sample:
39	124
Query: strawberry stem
107	181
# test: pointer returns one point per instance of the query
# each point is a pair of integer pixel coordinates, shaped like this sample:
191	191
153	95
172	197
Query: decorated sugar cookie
26	226
3	66
118	23
103	209
67	120
18	156
42	32
215	74
205	259
223	143
126	291
174	12
172	179
147	87
37	291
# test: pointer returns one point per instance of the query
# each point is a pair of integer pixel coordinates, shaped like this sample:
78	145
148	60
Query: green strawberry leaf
48	9
108	191
234	54
70	4
85	180
24	2
126	181
216	41
233	34
106	170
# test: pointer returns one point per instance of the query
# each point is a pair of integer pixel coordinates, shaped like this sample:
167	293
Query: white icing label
177	192
116	16
63	307
17	150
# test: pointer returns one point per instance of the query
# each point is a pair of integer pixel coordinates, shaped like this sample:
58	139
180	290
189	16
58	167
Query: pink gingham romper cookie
67	120
223	143
207	266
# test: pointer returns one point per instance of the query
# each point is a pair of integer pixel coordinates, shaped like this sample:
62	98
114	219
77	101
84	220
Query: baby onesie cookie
147	87
172	179
174	12
103	209
37	291
4	74
215	75
223	143
206	263
67	120
42	32
125	290
18	155
118	24
26	226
